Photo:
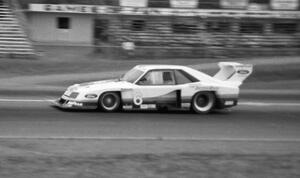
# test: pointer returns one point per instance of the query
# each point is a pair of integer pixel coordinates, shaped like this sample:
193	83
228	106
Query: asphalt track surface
267	122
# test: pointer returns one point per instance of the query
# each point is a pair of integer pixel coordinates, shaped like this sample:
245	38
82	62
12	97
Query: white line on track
240	103
268	104
26	100
155	138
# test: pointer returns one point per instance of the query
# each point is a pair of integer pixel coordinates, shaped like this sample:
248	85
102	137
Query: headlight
74	95
90	96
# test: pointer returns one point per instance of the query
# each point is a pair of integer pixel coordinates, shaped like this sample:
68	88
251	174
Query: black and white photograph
149	88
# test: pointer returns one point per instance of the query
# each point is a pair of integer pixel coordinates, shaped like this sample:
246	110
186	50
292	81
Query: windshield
132	75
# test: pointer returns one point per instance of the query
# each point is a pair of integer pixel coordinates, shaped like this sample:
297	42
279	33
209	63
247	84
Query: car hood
100	85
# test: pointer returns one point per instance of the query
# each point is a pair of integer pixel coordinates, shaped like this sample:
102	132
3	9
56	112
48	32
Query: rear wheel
109	102
203	102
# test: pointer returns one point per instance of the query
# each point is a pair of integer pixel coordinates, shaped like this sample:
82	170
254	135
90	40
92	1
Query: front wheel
203	102
109	102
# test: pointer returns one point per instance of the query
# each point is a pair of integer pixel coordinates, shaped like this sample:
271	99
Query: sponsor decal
74	103
243	72
148	106
137	100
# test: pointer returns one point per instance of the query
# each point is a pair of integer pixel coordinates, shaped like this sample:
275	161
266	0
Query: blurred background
48	45
152	28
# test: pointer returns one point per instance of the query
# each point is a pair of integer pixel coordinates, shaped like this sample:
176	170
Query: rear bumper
73	104
226	102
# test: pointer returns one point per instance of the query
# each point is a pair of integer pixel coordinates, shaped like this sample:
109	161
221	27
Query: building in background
189	28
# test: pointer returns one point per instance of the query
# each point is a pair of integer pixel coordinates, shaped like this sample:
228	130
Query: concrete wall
43	28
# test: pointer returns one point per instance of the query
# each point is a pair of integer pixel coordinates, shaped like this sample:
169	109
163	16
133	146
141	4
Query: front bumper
73	104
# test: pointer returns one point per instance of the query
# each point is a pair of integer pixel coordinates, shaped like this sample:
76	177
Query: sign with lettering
184	3
234	4
119	10
134	3
285	4
66	8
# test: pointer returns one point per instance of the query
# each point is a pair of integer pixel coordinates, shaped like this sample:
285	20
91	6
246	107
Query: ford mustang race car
161	87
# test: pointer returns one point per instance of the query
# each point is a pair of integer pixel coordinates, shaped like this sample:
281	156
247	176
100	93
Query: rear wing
233	72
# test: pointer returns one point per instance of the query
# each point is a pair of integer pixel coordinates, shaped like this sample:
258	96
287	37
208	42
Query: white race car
161	87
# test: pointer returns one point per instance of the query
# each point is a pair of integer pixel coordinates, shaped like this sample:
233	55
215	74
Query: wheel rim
203	103
109	102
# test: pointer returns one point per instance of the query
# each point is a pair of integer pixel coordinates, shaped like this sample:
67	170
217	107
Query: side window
158	78
168	78
183	77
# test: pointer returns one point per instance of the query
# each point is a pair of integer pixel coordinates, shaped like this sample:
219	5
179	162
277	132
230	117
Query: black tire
203	102
109	102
